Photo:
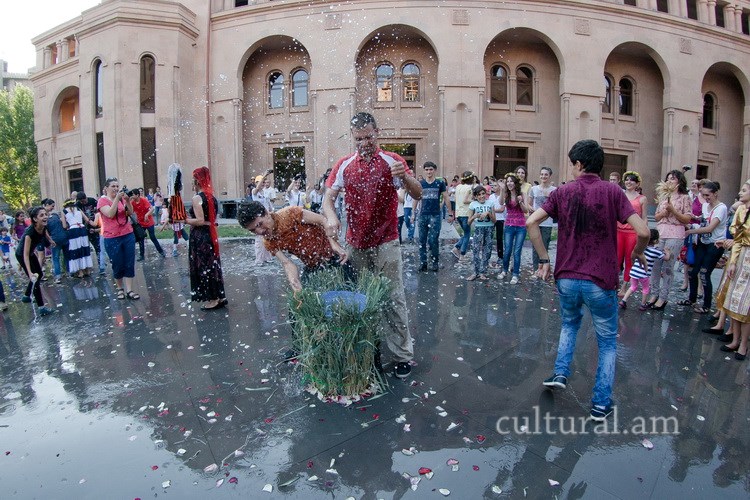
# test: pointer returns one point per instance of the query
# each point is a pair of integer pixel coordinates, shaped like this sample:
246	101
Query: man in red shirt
370	179
144	212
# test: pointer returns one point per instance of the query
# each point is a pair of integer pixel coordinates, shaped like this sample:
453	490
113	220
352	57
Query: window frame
608	95
713	129
625	116
143	85
98	92
531	85
492	79
390	102
411	77
270	87
293	89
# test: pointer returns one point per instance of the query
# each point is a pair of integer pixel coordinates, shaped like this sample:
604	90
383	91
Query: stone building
9	81
128	87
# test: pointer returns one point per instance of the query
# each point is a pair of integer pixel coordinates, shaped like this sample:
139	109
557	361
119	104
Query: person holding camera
115	210
294	195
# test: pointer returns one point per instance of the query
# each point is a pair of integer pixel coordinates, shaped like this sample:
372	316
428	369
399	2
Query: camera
124	189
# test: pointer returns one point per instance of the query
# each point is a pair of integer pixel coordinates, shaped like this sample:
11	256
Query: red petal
309	464
424	470
375	416
268	420
154	467
480	438
475	467
233	480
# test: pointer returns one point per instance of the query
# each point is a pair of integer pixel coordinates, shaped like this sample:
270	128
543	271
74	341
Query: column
738	18
46	58
60	55
667	159
63	51
712	12
746	145
675	7
729	18
239	167
703	11
565	141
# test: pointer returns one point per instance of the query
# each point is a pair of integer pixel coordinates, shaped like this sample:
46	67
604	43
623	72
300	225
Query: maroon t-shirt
371	197
587	212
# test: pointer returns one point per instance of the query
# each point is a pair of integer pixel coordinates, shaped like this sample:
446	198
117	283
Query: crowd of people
605	250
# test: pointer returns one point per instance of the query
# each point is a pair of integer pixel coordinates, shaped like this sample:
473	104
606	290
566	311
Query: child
482	214
177	213
5	241
299	232
177	227
642	276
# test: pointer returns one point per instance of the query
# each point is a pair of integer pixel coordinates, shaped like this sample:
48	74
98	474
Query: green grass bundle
337	352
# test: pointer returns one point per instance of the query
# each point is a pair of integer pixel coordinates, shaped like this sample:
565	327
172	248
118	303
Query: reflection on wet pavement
129	399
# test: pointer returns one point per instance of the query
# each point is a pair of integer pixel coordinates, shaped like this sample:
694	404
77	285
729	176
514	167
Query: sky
25	19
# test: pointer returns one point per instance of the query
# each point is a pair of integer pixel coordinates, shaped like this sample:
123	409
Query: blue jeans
513	243
706	258
58	250
429	232
409	225
152	235
463	242
121	251
602	305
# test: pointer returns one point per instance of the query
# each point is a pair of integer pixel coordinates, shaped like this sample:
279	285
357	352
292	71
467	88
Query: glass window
626	97
630	2
98	89
75	179
148	157
384	81
692	9
406	150
607	104
148	84
499	85
662	6
508	158
709	104
276	90
288	163
300	84
410	82
524	86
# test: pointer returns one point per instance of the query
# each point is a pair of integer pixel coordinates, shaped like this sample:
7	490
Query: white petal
444	491
647	444
268	488
552	482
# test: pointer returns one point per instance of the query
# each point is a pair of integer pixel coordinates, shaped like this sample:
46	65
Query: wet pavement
139	399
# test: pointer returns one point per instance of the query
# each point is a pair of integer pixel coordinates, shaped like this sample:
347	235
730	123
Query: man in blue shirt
434	195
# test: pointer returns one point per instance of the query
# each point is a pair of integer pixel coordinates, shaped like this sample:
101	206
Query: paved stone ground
133	399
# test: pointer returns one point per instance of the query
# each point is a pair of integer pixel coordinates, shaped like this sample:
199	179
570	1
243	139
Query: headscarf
177	212
202	176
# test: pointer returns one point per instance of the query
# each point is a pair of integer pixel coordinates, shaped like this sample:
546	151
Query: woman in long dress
79	251
206	278
734	297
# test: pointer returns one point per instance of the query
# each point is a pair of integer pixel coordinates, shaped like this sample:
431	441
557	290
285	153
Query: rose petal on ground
452	461
454	375
496	489
444	491
647	444
310	464
424	470
700	417
233	480
154	467
312	478
268	488
166	484
406	452
401	419
480	438
210	468
219	483
452	426
181	452
552	482
475	467
407	427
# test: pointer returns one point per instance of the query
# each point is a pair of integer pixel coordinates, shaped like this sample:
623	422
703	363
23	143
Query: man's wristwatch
544	261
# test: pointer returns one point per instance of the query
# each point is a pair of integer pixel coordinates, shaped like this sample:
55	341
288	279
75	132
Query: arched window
148	84
607	104
98	89
300	83
499	85
276	90
384	82
524	86
410	82
709	106
626	97
68	113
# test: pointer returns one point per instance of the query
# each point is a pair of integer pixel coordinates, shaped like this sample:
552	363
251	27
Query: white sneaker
501	276
514	280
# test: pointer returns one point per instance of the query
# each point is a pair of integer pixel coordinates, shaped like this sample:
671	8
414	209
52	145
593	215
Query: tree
19	163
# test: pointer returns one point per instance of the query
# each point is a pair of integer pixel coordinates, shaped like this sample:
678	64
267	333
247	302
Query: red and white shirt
371	197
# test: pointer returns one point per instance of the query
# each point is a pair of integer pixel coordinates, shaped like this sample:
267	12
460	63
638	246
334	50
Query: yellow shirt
462	209
740	229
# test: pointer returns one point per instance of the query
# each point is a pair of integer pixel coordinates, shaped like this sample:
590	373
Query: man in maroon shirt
586	268
370	179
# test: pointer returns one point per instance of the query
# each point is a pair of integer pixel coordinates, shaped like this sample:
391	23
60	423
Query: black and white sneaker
556	382
600	413
402	370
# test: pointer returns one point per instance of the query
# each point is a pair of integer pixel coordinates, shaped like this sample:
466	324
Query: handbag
690	253
138	231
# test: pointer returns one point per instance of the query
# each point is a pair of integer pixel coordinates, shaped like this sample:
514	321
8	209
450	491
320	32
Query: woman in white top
707	253
294	195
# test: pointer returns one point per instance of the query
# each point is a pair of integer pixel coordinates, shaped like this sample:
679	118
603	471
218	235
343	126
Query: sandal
700	310
120	294
482	277
685	302
132	295
472	277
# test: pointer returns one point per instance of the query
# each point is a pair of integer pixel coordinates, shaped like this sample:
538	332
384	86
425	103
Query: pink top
114	227
669	226
514	214
638	207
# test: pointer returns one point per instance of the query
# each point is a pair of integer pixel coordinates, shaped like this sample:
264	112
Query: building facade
9	81
129	87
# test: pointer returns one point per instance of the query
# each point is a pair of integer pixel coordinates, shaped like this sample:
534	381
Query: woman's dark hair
516	188
248	212
109	180
20	212
478	190
525	170
681	180
589	153
48	201
34	212
712	186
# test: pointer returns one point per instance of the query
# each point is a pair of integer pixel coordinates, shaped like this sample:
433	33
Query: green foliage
19	165
337	353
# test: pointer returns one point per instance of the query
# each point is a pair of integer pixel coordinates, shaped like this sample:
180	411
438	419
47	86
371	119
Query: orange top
638	207
308	242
